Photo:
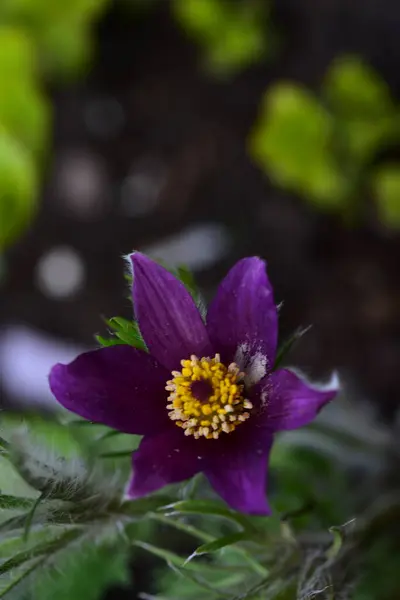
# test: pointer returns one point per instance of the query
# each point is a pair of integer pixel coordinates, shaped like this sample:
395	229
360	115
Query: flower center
206	397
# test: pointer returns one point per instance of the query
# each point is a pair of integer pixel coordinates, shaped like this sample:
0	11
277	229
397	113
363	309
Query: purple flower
205	397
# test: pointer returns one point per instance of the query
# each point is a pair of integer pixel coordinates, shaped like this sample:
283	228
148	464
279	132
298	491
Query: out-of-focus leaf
386	186
201	18
340	534
184	527
14	570
12	544
49	457
144	505
244	556
18	188
60	32
361	139
363	108
66	47
17	56
242	44
24	113
11	580
231	34
220	543
183	584
291	141
208	507
353	89
301	477
11	483
8	502
84	574
175	559
144	596
4	445
287	345
186	276
44	548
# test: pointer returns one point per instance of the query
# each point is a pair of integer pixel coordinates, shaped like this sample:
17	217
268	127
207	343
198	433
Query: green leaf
231	34
30	516
26	116
354	90
364	112
142	506
184	527
242	44
207	507
107	342
15	502
84	574
176	560
17	54
184	275
291	141
44	548
18	188
340	534
200	581
117	454
167	555
4	445
17	576
187	278
220	543
61	38
206	537
144	596
124	332
286	346
49	459
11	483
14	543
61	461
385	182
24	563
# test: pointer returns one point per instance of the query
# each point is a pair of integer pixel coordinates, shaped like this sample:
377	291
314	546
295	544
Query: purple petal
243	315
168	318
239	475
119	386
292	402
168	457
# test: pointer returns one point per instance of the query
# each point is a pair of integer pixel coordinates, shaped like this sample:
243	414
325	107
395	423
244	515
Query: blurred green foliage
385	182
60	32
324	148
24	123
85	575
78	538
18	187
292	141
43	40
40	40
231	34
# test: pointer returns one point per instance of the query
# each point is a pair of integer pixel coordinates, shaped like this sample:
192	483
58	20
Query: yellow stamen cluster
222	410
